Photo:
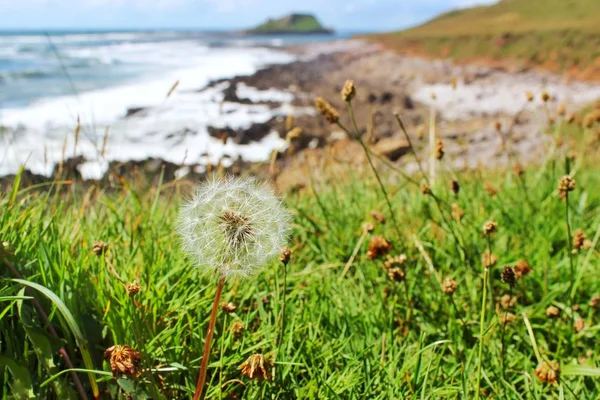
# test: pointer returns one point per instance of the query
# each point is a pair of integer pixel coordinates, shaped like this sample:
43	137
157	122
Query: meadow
480	284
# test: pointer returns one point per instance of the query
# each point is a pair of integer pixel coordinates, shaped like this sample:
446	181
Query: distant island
291	24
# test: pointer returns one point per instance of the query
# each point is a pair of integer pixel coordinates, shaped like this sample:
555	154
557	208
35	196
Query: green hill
559	35
292	23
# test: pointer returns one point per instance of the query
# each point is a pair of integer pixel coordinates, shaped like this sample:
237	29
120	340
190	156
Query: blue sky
378	15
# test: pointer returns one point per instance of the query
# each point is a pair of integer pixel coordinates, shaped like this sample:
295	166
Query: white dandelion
234	226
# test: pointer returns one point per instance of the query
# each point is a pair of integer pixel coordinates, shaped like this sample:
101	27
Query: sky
362	15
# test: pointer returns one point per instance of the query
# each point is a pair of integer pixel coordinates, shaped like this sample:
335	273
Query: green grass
346	337
560	35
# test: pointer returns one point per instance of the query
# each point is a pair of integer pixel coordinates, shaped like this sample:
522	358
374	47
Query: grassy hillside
293	23
357	324
559	35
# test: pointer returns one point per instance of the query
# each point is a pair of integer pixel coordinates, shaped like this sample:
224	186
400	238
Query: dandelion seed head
234	226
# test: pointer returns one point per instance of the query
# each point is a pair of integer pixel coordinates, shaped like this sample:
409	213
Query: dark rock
254	133
133	111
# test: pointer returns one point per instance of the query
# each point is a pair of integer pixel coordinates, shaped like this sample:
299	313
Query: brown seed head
490	189
326	110
293	134
123	359
228	307
552	312
368	226
508	301
457	212
378	216
132	288
490	227
561	110
378	246
545	96
498	125
522	268
349	90
548	372
578	239
256	366
99	248
449	286
439	149
508	318
489	260
570	118
566	184
518	169
237	328
595	301
394	262
454	186
529	96
396	274
579	324
425	189
284	255
453	83
508	275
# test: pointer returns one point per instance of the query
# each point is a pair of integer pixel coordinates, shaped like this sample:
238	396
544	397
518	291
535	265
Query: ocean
52	82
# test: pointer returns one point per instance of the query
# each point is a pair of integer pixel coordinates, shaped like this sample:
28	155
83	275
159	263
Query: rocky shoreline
471	105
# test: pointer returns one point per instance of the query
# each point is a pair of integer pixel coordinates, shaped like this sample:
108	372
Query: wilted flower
552	311
454	186
449	286
349	90
123	359
490	227
284	255
507	301
579	324
595	301
439	149
566	184
457	212
578	239
548	372
133	288
378	246
508	318
522	268
256	366
99	248
396	274
425	189
393	262
234	226
508	275
237	328
228	307
327	110
378	216
489	259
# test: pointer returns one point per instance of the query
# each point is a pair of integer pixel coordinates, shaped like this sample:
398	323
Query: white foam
173	128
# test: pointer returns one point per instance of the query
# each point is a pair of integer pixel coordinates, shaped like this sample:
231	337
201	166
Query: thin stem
282	330
571	263
385	194
481	331
503	349
208	340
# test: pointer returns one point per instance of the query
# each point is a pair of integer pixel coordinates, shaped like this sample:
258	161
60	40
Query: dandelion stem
481	332
208	340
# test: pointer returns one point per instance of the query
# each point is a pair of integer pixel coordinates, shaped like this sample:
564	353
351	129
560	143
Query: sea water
50	83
